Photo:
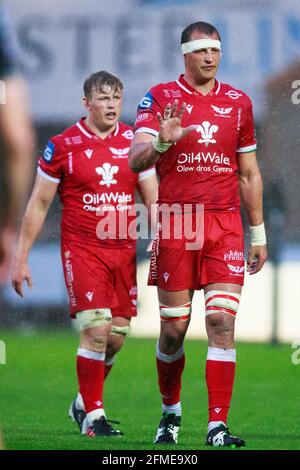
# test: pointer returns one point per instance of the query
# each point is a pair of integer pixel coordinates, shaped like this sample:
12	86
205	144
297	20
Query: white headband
198	44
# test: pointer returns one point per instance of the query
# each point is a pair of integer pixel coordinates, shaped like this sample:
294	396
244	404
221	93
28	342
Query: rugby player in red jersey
199	133
88	165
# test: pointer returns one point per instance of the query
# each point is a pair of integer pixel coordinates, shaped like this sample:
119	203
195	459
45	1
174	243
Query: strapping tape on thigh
93	318
218	301
182	312
120	330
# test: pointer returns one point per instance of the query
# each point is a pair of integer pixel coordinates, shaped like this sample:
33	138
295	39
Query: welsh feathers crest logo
107	171
207	130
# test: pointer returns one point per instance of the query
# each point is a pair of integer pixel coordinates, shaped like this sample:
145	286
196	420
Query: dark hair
98	80
201	27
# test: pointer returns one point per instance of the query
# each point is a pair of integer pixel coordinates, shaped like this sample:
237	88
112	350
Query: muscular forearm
251	190
142	156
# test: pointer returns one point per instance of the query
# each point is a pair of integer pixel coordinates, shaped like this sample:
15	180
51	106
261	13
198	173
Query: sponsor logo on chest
222	112
119	153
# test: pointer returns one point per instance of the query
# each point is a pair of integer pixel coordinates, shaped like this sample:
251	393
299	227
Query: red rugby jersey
95	182
202	166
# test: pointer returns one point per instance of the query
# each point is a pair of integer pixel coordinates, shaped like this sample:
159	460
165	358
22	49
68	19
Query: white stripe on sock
87	353
218	354
170	409
169	357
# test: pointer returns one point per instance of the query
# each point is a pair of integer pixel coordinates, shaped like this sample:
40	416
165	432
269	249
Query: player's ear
85	102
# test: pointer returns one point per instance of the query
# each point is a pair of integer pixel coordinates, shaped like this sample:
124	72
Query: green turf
38	382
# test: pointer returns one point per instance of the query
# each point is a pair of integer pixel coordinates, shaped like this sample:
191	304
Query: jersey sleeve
246	140
50	164
146	120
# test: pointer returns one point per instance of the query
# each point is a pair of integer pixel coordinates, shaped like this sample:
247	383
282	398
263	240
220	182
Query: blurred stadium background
61	42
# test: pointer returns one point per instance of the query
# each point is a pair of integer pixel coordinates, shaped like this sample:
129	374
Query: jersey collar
191	91
90	134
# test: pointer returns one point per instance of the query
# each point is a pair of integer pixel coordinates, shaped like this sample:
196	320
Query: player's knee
221	308
114	344
220	330
113	348
172	336
116	339
220	324
174	323
94	326
172	341
95	339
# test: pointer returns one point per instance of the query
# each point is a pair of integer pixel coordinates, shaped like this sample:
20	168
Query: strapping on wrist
258	235
159	146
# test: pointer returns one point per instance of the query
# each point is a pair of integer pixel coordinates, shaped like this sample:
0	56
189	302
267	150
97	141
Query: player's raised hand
170	129
257	256
20	273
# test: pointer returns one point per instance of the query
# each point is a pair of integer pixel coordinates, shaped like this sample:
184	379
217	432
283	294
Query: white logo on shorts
237	270
166	276
133	291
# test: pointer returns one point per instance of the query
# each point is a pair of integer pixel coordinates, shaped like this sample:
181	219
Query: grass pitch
38	383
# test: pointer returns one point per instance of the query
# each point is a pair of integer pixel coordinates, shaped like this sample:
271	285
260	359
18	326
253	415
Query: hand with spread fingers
170	130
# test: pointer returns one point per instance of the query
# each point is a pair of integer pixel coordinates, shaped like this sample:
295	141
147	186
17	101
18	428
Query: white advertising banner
62	41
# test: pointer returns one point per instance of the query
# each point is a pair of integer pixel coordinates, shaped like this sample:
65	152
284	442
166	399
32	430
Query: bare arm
251	189
17	133
143	153
41	198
